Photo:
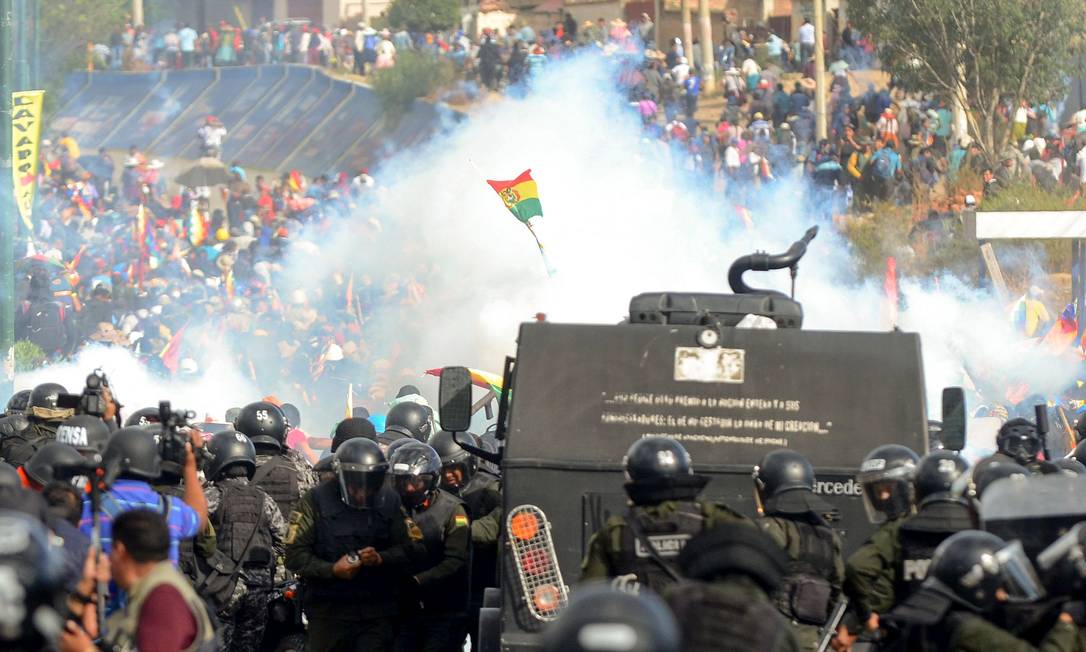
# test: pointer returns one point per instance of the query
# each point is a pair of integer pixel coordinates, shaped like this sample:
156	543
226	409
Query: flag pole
551	271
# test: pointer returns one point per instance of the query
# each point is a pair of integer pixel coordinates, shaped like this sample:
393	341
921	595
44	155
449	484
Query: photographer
134	455
163	611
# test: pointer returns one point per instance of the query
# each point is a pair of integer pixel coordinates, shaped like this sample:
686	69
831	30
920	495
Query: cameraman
134	455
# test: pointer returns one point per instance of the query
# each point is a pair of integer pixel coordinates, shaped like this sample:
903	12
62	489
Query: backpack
44	322
882	167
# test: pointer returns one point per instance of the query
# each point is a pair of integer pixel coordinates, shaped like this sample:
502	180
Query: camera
173	437
92	401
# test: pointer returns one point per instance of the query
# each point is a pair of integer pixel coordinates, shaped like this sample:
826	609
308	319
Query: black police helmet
410	418
264	423
783	470
654	458
351	428
229	448
1018	438
400	443
360	469
453	458
415	471
974	565
135	452
18	402
143	417
46	395
53	461
724	551
601	619
988	472
87	433
32	570
886	476
936	474
293	415
9	477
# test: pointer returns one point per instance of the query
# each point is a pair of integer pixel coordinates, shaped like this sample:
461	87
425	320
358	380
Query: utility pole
8	210
820	70
708	78
21	40
688	32
137	12
657	21
35	43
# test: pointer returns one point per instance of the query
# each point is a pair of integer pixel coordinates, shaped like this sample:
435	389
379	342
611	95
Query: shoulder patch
292	532
460	520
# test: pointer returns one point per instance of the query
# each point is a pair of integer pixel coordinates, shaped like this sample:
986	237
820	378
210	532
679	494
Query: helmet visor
413	489
456	475
887	498
360	486
1022	447
1019	577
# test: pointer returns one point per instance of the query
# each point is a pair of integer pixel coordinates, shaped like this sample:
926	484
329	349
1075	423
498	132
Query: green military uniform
869	573
606	548
732	613
787	535
975	634
358	611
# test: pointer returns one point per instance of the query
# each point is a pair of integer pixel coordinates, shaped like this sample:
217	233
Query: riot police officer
641	546
972	574
1017	441
49	464
601	619
349	541
939	515
886	477
86	433
42	418
436	604
249	535
796	519
18	403
143	417
725	604
411	420
283	474
14	418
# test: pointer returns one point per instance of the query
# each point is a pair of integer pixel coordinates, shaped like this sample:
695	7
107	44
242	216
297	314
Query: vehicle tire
492	597
490	630
292	643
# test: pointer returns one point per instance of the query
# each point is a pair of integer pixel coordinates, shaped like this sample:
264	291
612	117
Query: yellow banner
26	108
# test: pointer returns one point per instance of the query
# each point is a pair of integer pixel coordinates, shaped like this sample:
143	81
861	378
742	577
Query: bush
415	75
28	356
424	15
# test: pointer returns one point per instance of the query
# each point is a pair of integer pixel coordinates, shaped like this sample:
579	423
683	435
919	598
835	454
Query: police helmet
975	565
53	461
410	418
655	458
743	551
458	466
1018	438
936	474
415	471
18	402
87	433
46	395
9	477
32	572
228	448
886	476
263	423
351	428
135	453
601	619
400	443
360	469
489	442
143	417
784	483
988	471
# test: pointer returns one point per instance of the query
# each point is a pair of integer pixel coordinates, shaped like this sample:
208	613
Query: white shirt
680	73
807	34
1080	160
212	135
751	67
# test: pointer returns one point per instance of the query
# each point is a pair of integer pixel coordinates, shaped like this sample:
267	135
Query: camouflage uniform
307	478
18	446
245	614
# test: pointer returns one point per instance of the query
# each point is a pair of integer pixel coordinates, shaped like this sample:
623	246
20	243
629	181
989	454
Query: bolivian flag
521	196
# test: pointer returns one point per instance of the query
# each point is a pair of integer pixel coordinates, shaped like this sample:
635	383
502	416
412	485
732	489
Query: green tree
980	52
424	15
415	75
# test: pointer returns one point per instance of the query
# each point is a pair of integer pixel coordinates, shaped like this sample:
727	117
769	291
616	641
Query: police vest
806	590
20	446
278	477
123	626
668	536
452	594
341	530
919	536
239	519
712	620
